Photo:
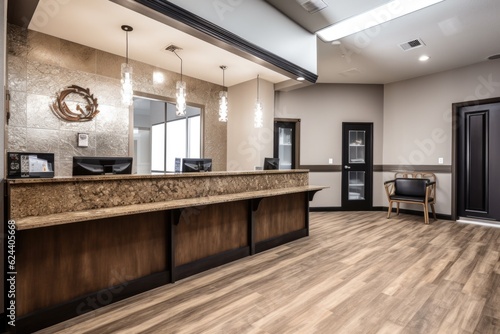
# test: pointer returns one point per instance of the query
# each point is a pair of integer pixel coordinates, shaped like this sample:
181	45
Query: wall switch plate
330	161
83	140
440	161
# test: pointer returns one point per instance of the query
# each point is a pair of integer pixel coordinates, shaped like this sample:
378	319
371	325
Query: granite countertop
85	215
151	176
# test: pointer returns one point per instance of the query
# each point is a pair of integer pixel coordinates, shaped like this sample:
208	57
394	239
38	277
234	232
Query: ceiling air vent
413	44
313	6
350	72
172	48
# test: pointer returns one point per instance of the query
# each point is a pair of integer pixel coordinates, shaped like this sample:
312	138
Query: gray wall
412	124
40	65
322	108
417	118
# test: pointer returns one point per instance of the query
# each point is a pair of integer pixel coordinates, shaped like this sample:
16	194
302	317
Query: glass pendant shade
181	98
180	86
127	89
223	106
258	120
223	98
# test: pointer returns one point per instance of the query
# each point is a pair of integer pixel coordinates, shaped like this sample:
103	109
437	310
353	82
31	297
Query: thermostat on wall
83	140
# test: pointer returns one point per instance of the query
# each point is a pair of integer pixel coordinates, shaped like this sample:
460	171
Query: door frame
296	144
368	185
454	151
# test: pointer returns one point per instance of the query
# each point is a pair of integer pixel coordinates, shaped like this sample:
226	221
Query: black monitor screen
101	165
271	163
196	165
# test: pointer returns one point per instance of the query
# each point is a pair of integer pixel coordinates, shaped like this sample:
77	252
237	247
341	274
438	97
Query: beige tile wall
40	65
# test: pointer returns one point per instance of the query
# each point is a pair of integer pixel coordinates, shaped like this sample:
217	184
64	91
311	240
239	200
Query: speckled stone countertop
151	176
79	216
39	198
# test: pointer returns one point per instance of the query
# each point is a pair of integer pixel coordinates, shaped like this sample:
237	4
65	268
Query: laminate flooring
357	272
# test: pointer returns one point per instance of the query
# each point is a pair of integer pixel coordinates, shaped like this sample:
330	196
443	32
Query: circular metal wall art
61	109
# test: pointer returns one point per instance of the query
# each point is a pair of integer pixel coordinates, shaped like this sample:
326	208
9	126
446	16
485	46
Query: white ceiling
456	33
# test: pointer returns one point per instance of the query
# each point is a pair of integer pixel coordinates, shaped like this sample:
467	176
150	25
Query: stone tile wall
40	65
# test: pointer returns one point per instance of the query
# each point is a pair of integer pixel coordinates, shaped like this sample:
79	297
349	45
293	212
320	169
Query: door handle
347	167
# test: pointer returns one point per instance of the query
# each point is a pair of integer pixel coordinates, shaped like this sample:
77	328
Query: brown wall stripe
445	169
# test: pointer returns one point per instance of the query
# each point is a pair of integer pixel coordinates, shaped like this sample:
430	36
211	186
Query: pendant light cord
180	59
127	29
223	68
126	43
257	87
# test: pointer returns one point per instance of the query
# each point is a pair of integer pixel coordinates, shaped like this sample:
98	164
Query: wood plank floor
358	272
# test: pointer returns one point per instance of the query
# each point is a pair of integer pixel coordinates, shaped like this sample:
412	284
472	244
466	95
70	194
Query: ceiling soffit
194	25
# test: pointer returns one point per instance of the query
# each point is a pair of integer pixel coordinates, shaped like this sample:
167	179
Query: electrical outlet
330	161
440	161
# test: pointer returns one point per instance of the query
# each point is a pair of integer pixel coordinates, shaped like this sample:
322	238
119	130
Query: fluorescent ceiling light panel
374	17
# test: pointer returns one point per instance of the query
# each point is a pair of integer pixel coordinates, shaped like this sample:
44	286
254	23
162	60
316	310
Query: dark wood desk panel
280	215
59	263
208	230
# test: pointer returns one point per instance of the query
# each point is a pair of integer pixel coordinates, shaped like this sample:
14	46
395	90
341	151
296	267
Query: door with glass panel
286	142
357	166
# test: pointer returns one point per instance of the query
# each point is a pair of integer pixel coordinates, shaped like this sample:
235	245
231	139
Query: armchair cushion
410	187
417	199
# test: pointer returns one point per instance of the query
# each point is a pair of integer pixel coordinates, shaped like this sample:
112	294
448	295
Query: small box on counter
29	165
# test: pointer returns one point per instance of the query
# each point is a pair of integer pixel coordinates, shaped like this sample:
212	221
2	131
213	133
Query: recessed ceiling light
424	58
374	17
301	78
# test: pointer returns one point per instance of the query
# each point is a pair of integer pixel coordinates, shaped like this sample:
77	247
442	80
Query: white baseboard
477	221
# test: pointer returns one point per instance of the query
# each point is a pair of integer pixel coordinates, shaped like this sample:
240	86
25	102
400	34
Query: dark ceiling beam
20	12
210	32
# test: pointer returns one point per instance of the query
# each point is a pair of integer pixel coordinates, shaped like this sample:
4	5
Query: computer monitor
101	165
196	165
29	165
271	163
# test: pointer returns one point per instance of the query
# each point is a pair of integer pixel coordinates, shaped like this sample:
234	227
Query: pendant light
258	121
126	72
180	87
223	98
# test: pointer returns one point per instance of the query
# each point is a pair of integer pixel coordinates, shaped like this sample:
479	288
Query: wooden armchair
412	188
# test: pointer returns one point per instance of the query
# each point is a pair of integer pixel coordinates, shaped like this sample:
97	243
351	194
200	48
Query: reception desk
85	242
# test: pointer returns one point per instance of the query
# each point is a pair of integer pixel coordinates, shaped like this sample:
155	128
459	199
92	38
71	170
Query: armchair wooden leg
390	210
426	214
433	211
397	208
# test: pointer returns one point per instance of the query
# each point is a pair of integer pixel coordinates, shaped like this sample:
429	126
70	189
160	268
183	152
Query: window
170	137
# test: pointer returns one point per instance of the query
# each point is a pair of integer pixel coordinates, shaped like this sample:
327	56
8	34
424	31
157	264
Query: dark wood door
478	161
357	166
